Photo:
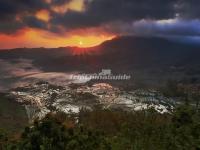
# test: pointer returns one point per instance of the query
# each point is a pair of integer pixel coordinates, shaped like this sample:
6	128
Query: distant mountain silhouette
126	52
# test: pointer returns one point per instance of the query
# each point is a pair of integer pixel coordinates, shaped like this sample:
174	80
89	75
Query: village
42	98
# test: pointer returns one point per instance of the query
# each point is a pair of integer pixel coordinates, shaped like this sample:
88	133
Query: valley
42	98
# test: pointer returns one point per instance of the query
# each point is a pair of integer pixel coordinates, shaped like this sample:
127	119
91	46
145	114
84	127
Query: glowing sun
80	43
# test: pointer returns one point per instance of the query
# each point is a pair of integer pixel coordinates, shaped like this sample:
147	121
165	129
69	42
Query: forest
101	129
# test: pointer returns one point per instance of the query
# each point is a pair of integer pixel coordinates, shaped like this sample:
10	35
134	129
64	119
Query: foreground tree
118	130
55	133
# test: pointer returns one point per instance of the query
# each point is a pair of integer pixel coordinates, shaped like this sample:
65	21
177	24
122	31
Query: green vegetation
111	130
13	117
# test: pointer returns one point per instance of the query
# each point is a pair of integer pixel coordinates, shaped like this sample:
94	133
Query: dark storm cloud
6	10
116	15
168	28
10	9
10	27
189	9
103	11
32	21
60	2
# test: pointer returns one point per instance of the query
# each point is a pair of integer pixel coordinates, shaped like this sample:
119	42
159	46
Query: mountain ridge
148	59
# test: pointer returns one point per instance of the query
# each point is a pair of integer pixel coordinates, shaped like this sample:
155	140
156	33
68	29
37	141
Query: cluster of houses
44	97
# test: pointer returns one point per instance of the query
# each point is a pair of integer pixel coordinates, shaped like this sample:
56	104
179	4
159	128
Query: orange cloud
48	1
76	5
39	38
43	15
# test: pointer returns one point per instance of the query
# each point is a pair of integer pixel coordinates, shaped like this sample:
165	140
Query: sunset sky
85	23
